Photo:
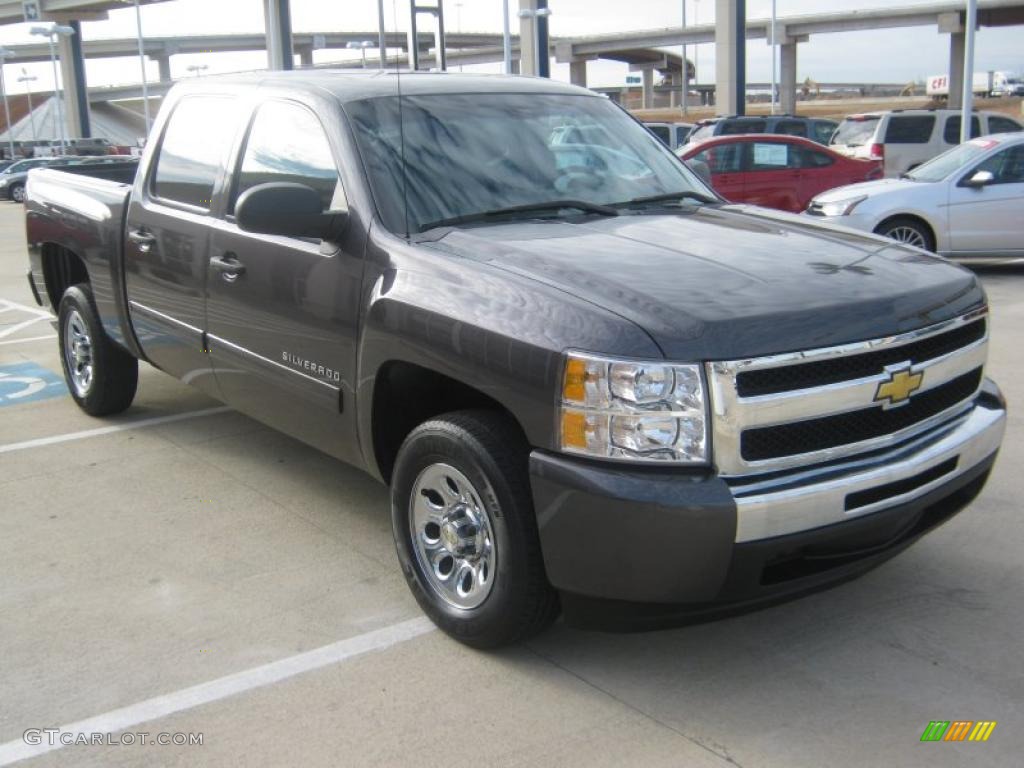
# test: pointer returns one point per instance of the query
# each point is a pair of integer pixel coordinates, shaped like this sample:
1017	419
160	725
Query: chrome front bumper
800	501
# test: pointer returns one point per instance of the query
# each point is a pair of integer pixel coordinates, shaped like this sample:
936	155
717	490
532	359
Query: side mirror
979	179
290	210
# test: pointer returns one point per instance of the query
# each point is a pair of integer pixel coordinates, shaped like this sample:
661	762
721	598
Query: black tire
114	372
17	193
489	450
899	228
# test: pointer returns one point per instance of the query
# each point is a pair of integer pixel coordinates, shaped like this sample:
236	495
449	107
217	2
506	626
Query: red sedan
775	171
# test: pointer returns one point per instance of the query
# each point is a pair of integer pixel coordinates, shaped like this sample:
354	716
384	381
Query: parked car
596	390
817	129
967	203
674	135
905	138
782	172
12	178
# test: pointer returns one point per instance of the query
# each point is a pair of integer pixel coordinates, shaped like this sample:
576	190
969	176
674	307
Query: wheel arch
915	217
62	268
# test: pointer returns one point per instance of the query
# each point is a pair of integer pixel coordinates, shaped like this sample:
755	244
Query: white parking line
67	437
37	311
25	341
18	326
223	687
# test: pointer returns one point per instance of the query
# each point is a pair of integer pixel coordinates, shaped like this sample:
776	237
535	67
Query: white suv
905	138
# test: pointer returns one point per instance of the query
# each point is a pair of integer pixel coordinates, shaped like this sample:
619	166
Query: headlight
840	207
633	411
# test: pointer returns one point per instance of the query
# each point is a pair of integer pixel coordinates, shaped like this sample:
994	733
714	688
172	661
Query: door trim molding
248	352
158	314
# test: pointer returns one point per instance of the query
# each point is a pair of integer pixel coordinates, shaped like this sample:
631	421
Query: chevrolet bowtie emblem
901	384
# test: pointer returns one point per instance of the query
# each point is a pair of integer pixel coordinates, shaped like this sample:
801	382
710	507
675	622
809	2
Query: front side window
910	129
287	144
1007	166
724	158
194	147
1002	125
433	158
950	161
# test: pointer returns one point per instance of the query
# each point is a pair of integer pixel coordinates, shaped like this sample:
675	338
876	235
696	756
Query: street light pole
50	33
4	55
686	68
534	15
774	75
970	22
142	66
26	78
382	40
506	39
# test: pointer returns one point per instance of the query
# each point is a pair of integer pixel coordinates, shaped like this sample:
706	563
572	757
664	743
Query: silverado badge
900	385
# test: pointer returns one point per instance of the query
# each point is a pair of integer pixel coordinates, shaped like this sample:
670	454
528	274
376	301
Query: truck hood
730	282
870	188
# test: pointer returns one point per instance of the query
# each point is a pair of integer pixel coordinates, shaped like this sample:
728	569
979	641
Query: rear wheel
101	376
466	532
908	231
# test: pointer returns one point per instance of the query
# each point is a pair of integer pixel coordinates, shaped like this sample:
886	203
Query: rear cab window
910	129
193	150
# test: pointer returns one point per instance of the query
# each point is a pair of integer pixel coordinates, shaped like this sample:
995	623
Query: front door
282	311
987	220
168	227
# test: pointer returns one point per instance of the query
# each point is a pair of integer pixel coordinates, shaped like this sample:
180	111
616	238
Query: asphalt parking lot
176	569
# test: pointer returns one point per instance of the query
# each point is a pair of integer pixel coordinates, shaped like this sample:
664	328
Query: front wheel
18	193
101	376
908	231
466	532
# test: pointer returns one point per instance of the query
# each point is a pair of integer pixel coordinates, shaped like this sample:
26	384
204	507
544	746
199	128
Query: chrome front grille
791	410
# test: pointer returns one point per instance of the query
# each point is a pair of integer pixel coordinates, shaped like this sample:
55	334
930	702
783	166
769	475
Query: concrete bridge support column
730	56
306	58
578	73
648	75
956	70
787	78
279	34
528	39
164	63
72	73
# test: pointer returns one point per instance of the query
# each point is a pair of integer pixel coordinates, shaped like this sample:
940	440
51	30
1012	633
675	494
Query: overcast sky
895	56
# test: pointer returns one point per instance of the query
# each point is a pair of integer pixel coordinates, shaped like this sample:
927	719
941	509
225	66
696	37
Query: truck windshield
950	162
470	154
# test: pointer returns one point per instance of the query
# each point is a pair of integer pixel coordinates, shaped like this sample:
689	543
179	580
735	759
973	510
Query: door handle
229	266
143	239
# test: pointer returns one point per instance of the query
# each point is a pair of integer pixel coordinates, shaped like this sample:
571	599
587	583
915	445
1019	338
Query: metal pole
142	66
686	69
7	107
968	93
57	95
381	39
773	52
506	39
31	110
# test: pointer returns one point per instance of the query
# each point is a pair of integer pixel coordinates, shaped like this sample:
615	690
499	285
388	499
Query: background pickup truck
590	384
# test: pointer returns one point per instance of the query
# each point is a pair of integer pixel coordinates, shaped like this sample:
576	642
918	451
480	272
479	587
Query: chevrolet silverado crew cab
590	384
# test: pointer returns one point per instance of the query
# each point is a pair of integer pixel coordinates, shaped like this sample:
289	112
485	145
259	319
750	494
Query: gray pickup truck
590	384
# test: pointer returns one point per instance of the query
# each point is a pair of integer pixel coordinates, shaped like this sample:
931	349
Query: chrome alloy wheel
907	235
78	352
452	536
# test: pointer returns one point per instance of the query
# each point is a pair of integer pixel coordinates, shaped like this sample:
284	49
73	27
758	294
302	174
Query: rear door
168	226
988	220
772	177
909	142
283	311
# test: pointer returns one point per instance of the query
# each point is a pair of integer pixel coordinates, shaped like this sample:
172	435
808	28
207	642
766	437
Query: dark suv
817	129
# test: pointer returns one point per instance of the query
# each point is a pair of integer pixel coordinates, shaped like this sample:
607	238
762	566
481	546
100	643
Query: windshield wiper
667	197
512	210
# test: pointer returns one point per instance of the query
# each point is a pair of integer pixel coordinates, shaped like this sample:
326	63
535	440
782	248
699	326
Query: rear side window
952	132
194	146
910	129
288	144
791	128
814	159
733	127
1002	125
822	131
661	131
